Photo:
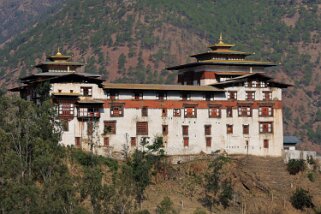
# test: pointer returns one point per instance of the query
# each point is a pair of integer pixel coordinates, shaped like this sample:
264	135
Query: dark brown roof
159	87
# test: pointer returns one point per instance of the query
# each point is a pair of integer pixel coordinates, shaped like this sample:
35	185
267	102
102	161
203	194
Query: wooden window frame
177	112
266	111
229	128
208	141
190	112
214	112
133	141
229	111
185	130
266	143
232	95
164	112
207	129
110	126
142	128
250	95
86	91
117	108
145	111
77	142
244	111
266	127
165	130
267	95
186	141
106	141
246	129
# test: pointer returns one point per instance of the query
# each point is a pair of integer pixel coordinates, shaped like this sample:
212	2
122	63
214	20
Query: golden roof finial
221	39
58	52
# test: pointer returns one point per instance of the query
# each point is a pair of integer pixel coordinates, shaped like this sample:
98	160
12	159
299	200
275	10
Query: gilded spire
58	52
221	39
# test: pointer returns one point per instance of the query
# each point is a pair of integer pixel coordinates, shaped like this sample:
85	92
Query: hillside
134	41
18	16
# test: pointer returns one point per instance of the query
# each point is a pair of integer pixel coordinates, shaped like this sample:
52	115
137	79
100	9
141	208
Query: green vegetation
218	190
91	26
301	199
296	166
166	207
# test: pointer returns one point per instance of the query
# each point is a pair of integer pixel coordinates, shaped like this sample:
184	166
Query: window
266	127
165	130
209	96
77	142
262	84
246	129
142	128
186	141
116	111
186	96
267	95
138	96
229	129
232	95
106	141
177	112
207	129
110	127
133	141
214	112
245	111
265	111
250	95
161	96
208	141
113	95
229	112
265	143
88	112
164	112
66	109
144	111
189	112
86	91
185	130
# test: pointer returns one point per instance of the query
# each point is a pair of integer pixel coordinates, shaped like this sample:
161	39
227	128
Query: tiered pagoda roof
222	54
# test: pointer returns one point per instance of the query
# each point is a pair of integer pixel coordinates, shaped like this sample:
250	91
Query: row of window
191	112
133	142
142	128
249	95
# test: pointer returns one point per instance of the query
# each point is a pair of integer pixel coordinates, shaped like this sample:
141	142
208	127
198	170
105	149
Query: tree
217	191
301	199
296	166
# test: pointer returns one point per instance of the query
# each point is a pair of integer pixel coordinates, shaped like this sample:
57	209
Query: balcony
84	113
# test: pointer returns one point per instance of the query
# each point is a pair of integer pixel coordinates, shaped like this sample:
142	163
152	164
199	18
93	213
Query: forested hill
133	41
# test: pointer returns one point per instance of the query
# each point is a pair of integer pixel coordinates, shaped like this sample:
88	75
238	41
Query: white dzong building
223	102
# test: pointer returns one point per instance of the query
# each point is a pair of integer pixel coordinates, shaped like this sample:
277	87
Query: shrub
296	166
166	207
301	199
311	176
